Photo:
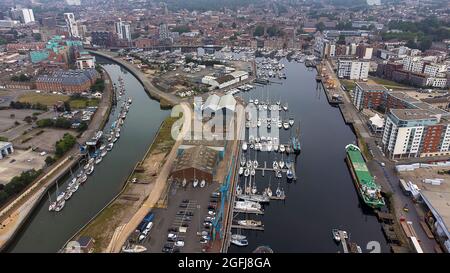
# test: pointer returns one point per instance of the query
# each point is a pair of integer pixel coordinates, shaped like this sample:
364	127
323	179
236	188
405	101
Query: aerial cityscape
232	126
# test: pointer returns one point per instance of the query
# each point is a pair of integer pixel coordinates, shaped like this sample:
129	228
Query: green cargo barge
369	191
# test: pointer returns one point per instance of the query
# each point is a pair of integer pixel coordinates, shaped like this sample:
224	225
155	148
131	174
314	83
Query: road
386	175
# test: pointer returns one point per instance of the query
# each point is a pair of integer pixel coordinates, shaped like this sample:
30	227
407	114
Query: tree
259	31
64	144
49	160
233	25
28	119
37	36
320	26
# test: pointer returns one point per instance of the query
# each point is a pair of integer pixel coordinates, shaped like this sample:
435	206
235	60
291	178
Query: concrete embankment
164	98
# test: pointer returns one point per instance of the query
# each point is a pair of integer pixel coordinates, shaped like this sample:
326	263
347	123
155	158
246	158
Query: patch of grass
80	103
348	84
45	99
96	229
164	141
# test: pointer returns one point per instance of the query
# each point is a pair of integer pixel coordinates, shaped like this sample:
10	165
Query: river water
48	231
323	197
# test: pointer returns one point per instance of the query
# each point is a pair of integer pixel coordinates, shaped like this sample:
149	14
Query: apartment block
353	69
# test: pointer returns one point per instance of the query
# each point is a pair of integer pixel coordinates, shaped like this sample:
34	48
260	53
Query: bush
64	144
49	160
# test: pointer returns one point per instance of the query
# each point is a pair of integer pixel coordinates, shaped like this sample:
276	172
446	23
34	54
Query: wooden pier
247	227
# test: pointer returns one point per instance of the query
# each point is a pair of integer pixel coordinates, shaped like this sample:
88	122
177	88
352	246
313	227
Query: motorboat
68	194
134	249
195	183
253	197
281	164
60	205
102	147
243	161
268	191
83	178
249	223
202	183
255	164
238	237
256	101
241	170
282	148
103	154
285	107
115	139
275	165
110	146
280	124
291	121
244	146
90	170
243	242
279	174
238	190
286	125
288	163
289	174
248	206
252	172
98	160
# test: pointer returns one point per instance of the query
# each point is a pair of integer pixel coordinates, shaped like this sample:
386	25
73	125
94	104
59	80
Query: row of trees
60	122
420	34
64	144
98	86
17	184
20	78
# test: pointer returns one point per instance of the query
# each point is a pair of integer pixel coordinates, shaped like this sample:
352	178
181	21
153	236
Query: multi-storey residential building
24	15
71	25
434	70
415	133
353	69
413	64
368	95
123	30
103	38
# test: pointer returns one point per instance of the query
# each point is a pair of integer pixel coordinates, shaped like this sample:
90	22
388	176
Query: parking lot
184	218
18	162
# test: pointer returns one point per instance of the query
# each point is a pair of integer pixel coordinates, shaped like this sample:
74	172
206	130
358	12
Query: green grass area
348	84
388	83
164	141
96	229
80	103
45	99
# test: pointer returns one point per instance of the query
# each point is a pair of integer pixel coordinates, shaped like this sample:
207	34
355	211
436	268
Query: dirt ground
24	160
6	122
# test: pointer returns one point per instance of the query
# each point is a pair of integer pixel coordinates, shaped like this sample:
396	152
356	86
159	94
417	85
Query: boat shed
198	162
